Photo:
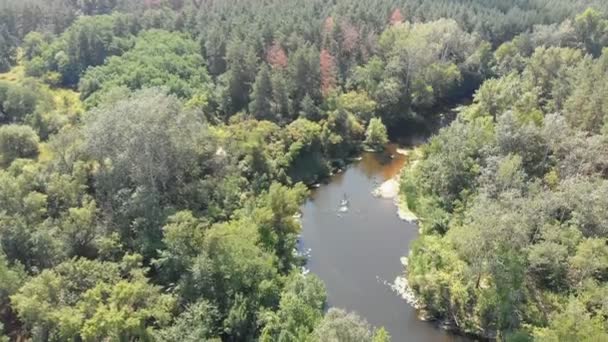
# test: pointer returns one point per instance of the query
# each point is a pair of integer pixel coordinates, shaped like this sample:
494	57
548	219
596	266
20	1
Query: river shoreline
357	252
390	189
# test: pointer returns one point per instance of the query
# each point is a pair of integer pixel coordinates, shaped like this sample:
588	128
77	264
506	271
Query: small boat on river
343	205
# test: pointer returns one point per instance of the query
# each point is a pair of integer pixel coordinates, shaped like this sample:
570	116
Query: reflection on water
358	251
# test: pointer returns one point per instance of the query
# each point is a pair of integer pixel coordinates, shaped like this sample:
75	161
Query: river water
357	253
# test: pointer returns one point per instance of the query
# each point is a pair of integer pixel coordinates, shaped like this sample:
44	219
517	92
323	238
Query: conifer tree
261	95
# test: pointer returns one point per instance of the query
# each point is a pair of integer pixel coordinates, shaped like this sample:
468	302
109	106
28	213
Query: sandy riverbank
390	190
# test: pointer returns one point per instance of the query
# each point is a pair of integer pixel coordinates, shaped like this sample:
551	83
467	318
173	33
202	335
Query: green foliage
508	58
342	132
278	229
235	275
200	174
573	324
183	236
381	335
306	77
92	300
340	326
236	83
198	322
11	278
8	49
305	157
450	167
16	102
375	135
359	104
17	141
586	108
261	95
592	31
512	247
158	59
88	42
423	65
25	237
300	307
133	182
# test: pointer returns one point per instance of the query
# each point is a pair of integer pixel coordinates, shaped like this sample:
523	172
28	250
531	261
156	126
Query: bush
17	141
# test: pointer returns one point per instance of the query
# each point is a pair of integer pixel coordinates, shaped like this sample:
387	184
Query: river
357	253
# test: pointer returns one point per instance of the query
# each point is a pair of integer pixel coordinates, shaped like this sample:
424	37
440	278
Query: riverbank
390	188
357	252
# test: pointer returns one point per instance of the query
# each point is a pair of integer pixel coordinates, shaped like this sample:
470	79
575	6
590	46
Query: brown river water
357	253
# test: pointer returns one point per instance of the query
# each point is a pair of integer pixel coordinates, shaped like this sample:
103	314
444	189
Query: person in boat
344	201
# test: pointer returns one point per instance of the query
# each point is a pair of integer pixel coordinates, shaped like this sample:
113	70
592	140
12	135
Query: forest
154	155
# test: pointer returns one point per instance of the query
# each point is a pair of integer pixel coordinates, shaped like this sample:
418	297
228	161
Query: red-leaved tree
328	26
151	3
276	56
396	17
328	72
350	37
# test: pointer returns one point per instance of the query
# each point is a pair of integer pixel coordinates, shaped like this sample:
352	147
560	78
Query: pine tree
7	49
328	26
280	97
242	61
350	37
261	95
396	17
214	47
276	56
328	72
305	75
308	109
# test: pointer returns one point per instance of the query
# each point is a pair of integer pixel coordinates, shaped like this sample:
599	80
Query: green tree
158	59
241	62
281	102
300	310
261	96
8	51
234	275
308	109
375	135
585	107
422	66
381	335
359	104
16	102
147	146
17	141
214	47
106	301
305	76
11	279
278	228
592	31
340	326
574	323
33	45
590	260
198	322
183	236
88	42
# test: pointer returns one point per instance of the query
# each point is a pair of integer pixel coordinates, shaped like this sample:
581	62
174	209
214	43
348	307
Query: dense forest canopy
512	196
154	156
